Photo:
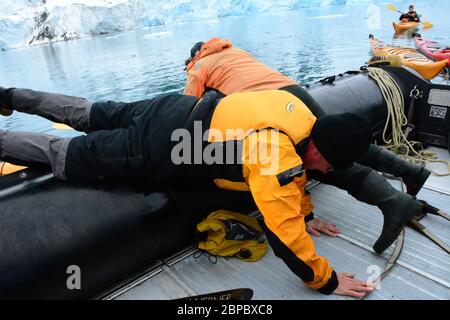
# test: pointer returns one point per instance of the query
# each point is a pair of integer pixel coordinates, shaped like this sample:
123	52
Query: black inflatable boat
108	232
355	92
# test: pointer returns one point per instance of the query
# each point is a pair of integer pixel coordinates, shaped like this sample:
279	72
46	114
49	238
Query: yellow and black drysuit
134	141
277	121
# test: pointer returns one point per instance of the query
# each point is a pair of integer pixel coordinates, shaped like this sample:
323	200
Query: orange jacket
227	69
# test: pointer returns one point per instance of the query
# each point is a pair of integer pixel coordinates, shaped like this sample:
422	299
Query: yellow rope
397	120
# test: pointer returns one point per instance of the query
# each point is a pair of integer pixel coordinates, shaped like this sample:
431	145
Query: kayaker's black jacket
412	17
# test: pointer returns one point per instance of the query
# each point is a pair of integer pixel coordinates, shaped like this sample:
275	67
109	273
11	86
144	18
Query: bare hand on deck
317	226
349	286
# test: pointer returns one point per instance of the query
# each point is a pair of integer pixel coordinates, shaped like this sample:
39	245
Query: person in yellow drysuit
254	141
220	66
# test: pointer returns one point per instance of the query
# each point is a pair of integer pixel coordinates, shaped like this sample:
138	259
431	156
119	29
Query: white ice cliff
29	22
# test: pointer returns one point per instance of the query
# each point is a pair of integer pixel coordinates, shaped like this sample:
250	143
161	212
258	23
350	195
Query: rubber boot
5	111
385	161
5	101
397	207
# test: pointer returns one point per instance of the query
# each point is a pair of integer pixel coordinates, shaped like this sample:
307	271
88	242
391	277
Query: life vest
231	234
254	111
243	114
247	112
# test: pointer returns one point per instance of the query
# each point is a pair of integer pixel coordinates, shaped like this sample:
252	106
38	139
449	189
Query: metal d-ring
416	93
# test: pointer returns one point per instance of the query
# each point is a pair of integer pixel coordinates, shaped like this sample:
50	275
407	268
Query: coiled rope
396	141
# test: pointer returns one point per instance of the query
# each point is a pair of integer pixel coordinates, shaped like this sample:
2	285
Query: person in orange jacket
218	65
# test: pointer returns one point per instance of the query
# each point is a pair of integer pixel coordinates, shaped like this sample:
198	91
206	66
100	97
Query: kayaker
411	16
142	141
218	65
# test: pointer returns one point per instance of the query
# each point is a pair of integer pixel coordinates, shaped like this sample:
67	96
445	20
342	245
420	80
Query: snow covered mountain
29	22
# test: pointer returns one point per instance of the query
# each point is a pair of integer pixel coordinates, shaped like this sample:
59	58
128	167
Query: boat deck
422	271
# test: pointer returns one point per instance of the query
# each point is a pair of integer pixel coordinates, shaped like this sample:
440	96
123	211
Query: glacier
33	22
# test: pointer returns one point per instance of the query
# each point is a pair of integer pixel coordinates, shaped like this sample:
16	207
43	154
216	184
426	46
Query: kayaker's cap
341	139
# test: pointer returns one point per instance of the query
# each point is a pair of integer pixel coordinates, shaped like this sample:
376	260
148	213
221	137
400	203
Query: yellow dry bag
231	234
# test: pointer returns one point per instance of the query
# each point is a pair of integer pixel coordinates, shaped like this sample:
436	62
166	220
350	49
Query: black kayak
110	232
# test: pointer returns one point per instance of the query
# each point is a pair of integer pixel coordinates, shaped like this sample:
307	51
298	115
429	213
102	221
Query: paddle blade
61	126
392	8
427	25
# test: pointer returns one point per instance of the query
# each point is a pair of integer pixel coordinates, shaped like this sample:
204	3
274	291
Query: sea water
306	44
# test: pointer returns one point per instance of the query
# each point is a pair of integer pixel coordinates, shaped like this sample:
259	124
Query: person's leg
100	155
26	148
349	180
110	115
107	155
80	114
383	160
73	111
368	186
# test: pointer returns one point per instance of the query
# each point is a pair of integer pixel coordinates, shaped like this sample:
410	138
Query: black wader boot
383	160
6	112
5	102
366	185
397	207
